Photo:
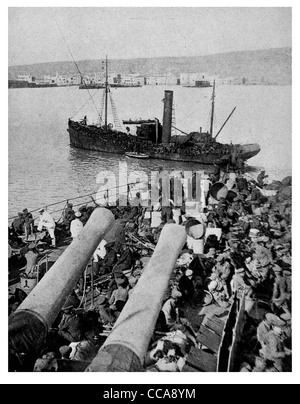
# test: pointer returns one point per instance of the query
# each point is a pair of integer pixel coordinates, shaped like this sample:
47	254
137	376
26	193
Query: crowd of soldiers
250	258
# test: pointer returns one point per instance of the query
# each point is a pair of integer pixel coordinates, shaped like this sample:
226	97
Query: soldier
263	267
18	223
280	296
261	177
28	222
240	283
31	257
186	286
260	365
76	225
274	349
70	326
169	307
68	215
266	325
46	220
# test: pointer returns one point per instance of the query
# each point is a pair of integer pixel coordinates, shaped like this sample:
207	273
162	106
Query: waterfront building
171	79
133	80
68	80
155	80
26	77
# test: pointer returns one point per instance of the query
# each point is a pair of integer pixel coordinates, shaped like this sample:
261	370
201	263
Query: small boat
137	155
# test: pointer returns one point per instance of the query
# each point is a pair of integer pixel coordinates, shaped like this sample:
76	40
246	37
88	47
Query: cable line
81	76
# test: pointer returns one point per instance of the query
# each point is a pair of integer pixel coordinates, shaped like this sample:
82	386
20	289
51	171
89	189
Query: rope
81	76
180	130
84	105
84	288
70	199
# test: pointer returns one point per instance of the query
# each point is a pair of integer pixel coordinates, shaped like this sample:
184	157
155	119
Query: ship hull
104	142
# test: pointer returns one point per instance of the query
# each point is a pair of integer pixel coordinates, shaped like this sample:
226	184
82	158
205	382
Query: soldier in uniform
18	223
68	216
169	307
28	222
274	350
266	325
76	225
70	326
280	296
46	220
241	283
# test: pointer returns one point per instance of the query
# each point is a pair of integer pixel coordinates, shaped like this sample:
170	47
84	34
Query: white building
184	79
133	80
68	79
26	77
48	79
171	79
189	79
155	80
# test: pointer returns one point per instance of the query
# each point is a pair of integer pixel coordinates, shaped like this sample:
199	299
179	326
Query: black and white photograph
149	167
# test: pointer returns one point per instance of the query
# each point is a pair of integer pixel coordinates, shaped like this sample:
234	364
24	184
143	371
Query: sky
44	34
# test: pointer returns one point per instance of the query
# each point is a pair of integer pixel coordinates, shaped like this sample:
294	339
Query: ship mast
212	110
106	92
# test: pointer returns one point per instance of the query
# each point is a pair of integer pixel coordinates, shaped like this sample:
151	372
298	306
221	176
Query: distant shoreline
272	65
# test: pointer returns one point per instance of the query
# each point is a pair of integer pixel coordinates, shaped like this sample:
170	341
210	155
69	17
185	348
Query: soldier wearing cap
120	294
281	295
31	257
65	351
216	288
288	277
263	267
241	283
106	265
254	235
105	314
274	349
260	249
260	365
46	220
169	307
76	226
274	222
226	274
70	326
186	286
45	365
18	223
28	222
261	177
266	325
283	257
68	215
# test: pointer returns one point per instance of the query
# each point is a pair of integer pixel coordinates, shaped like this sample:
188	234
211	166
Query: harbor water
44	168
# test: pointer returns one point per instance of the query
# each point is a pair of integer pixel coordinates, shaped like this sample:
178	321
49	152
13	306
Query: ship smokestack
167	119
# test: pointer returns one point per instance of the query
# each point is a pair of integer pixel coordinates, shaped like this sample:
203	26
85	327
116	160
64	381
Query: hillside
270	65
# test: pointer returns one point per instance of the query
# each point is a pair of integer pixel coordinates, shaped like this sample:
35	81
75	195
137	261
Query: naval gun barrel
30	323
125	348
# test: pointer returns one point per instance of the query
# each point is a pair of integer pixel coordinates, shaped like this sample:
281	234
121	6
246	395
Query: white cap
188	272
